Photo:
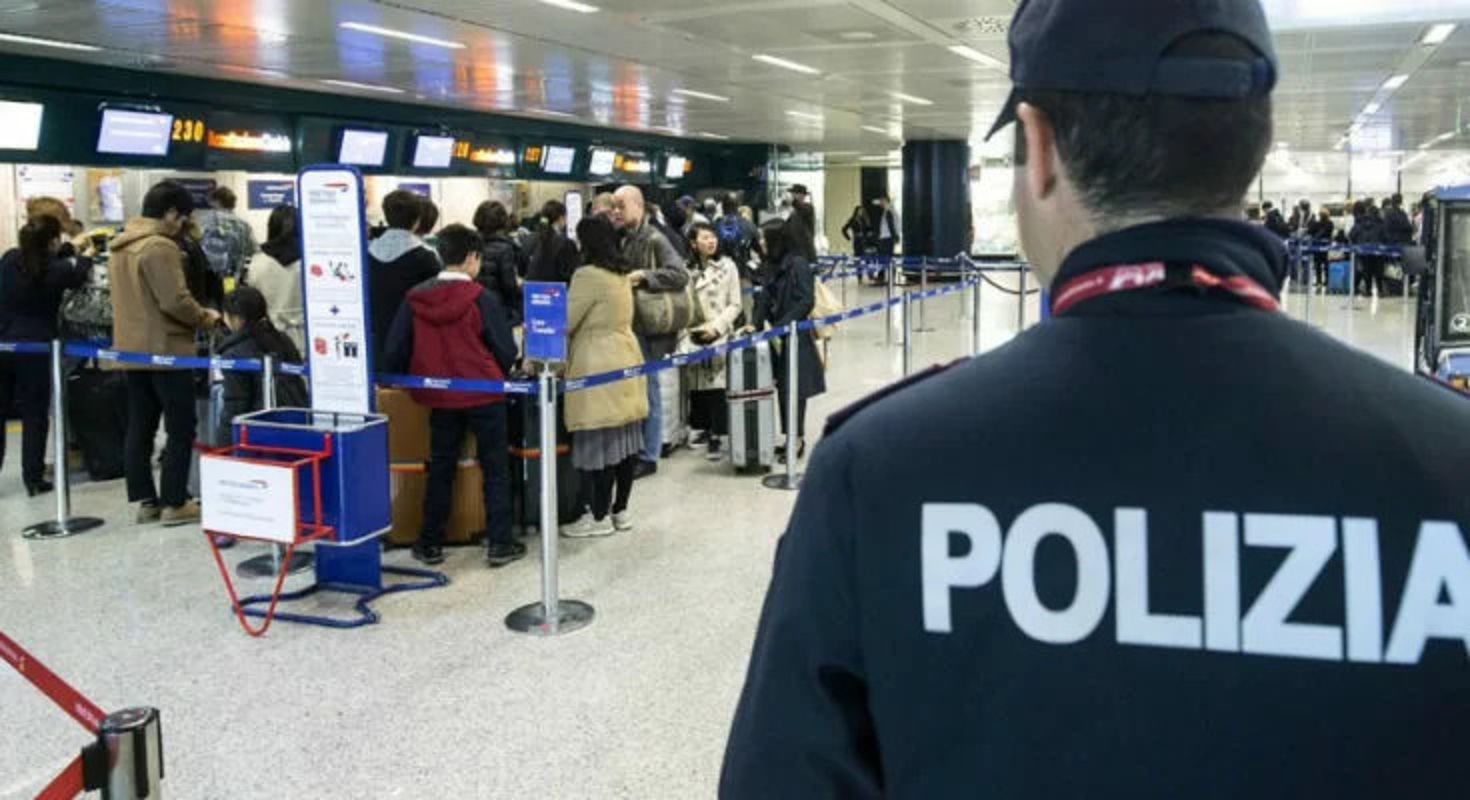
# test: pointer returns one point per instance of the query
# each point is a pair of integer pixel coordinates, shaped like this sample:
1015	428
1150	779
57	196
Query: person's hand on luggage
211	319
636	277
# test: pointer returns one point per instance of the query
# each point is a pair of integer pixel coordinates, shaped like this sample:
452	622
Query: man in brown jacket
153	312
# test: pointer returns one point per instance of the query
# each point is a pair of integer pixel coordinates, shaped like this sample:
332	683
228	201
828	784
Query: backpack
734	244
218	245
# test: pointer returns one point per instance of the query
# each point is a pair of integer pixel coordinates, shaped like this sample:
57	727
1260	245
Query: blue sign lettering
266	195
546	321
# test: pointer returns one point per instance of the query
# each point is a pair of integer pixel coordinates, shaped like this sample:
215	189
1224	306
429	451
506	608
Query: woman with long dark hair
252	336
554	256
276	272
788	295
716	282
33	279
606	421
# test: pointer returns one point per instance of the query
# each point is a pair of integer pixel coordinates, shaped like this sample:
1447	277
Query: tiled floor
440	700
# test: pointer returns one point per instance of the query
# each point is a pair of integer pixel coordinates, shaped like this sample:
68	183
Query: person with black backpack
227	242
503	262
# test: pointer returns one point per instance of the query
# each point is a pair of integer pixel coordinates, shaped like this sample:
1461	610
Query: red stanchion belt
71	782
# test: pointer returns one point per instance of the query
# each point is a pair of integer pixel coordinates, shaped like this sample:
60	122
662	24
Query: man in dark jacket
1275	223
1108	560
452	327
1368	230
397	262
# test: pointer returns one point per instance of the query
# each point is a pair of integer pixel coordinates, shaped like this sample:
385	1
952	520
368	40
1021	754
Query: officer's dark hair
456	243
167	196
402	209
1160	155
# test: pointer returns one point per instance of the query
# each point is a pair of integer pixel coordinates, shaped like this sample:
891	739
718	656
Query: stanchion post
791	480
552	616
908	330
65	524
888	306
1021	303
923	294
975	316
1352	288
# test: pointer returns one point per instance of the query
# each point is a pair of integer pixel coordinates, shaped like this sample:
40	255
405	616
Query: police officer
1170	543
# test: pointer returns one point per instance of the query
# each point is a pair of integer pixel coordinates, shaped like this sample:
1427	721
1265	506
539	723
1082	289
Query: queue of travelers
1371	223
443	302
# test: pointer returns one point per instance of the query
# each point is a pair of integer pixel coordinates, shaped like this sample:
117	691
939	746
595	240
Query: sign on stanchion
64	524
546	328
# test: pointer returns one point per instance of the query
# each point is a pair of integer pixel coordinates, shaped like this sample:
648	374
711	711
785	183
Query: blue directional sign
546	321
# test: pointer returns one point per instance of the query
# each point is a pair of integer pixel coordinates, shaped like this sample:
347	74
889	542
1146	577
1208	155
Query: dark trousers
1319	263
1372	268
447	426
612	487
25	388
885	255
800	412
168	394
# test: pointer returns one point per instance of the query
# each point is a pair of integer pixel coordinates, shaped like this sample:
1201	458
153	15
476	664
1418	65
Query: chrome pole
975	317
269	565
791	481
1021	305
65	524
551	616
888	307
908	338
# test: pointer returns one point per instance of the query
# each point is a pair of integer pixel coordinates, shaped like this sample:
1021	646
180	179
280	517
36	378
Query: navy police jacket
1166	544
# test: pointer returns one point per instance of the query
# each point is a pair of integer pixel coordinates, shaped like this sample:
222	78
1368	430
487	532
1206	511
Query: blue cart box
356	493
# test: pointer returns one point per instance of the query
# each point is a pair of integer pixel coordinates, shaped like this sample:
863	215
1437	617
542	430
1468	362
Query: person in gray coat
658	267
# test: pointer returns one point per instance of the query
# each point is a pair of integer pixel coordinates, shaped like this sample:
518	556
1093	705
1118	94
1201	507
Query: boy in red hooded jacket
450	327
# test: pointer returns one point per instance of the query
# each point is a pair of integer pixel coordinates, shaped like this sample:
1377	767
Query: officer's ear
1036	150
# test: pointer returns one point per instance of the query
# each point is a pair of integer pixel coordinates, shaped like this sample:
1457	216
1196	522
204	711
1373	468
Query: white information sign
334	273
246	499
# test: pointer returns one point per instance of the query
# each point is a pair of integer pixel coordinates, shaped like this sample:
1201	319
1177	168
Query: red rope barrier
71	701
67	785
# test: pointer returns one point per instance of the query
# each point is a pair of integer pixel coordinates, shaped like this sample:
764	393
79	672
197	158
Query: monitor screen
363	148
675	169
22	128
433	152
602	162
134	133
558	160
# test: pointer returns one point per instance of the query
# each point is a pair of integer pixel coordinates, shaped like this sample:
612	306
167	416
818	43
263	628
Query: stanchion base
264	566
783	482
60	529
571	616
366	595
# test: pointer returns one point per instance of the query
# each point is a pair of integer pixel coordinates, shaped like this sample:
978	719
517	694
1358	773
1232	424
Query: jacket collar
1225	247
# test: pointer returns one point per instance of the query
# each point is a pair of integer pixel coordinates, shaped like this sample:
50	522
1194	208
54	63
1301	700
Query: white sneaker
588	528
623	522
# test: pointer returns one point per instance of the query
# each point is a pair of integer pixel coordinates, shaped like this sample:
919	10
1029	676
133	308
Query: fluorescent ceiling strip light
702	95
550	112
785	64
1438	34
1372	108
805	115
56	43
908	98
876	158
573	5
878	130
970	53
708	135
1395	82
404	35
367	87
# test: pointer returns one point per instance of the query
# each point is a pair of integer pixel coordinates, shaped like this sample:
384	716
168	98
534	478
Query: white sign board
247	499
334	271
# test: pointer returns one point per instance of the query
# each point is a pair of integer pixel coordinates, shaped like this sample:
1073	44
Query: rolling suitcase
1338	273
525	468
674	417
97	409
751	396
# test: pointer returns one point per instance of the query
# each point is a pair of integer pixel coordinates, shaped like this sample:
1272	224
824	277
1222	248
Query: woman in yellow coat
606	421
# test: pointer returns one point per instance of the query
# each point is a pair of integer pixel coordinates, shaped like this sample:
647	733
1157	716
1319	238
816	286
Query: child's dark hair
248	304
456	244
36	238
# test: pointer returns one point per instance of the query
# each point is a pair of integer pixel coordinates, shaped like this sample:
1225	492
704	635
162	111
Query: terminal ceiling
882	70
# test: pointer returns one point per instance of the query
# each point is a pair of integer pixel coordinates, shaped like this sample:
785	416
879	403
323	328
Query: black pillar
936	197
875	184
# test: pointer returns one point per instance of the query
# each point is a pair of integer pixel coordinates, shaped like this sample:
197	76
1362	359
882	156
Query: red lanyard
1133	277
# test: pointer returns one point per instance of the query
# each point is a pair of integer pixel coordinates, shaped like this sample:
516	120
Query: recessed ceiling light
708	135
404	35
1395	82
805	115
857	36
718	98
967	52
908	98
786	64
1438	34
56	43
573	5
1372	108
367	87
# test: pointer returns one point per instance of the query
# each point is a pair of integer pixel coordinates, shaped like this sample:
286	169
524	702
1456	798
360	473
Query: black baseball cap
1118	46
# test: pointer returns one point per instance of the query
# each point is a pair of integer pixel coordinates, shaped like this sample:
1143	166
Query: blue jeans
653	427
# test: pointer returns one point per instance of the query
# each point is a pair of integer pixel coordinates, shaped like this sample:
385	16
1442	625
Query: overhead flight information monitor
22	128
602	162
134	133
363	148
433	152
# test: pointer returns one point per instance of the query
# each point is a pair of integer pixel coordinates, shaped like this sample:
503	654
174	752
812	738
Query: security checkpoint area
340	605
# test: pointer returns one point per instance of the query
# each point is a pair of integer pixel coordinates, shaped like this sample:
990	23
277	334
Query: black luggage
525	468
97	414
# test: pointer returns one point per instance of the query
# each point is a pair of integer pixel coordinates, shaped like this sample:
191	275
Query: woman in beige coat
606	421
717	285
